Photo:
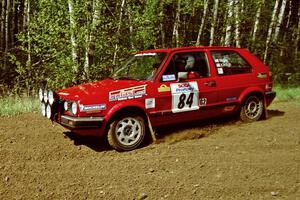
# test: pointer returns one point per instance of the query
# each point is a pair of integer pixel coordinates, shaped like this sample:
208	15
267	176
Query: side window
194	63
230	62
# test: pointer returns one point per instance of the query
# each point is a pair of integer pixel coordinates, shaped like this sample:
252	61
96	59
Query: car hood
96	92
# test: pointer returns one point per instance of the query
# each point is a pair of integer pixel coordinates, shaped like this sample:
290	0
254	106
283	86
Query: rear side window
230	62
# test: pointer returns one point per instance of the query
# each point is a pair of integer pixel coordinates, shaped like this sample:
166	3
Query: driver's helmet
190	62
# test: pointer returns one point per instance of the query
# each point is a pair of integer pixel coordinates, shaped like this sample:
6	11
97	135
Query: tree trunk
176	24
270	30
162	30
286	27
28	33
128	11
279	21
202	22
297	36
73	39
229	20
212	29
257	18
237	23
7	27
2	26
90	40
118	31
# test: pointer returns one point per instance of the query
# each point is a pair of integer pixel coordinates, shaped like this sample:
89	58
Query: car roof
169	50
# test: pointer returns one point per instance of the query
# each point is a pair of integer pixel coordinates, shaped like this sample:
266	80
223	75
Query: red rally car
163	87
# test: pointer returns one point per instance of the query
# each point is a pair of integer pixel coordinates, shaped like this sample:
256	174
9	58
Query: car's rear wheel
252	109
126	132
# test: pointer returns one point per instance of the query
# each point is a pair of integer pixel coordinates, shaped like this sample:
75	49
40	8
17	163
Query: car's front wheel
252	109
126	132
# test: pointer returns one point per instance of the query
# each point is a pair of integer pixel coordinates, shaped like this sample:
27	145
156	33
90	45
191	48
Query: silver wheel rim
129	131
253	107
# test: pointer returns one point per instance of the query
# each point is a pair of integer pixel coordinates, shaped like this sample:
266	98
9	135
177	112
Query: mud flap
265	113
151	130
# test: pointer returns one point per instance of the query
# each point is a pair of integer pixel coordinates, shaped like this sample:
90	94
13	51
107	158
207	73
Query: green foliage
45	52
13	105
287	93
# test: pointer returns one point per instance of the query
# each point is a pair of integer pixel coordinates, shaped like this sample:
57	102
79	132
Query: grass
14	105
287	93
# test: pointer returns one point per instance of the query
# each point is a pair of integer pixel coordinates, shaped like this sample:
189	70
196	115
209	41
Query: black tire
252	109
126	132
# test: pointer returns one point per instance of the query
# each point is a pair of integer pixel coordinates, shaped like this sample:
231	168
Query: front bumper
81	122
270	96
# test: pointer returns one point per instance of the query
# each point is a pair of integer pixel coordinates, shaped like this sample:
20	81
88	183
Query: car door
233	75
180	99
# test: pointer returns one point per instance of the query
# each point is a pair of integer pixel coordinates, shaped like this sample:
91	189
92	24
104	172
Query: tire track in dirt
220	158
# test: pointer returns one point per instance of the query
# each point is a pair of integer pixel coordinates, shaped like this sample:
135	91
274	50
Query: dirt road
216	159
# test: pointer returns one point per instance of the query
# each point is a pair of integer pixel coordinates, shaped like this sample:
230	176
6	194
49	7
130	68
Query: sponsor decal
231	99
145	54
228	108
220	71
164	88
184	87
127	93
92	108
185	97
150	103
63	93
202	102
169	77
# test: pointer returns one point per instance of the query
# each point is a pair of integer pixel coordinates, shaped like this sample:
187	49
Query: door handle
210	83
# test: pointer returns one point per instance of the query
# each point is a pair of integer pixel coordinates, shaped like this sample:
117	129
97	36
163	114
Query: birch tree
176	24
229	25
73	38
2	25
270	29
202	22
212	29
279	20
297	36
257	20
118	31
287	26
90	38
237	23
7	15
161	24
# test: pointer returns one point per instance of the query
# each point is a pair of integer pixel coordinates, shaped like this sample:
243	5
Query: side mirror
182	76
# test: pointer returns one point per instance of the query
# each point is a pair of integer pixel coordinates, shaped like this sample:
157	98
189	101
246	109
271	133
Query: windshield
140	67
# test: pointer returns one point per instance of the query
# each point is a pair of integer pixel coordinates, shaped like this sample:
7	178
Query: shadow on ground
275	113
96	143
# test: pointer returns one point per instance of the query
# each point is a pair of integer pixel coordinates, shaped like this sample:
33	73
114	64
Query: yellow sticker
164	88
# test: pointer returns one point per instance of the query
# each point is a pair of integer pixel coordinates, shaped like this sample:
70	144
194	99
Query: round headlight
43	109
45	96
66	106
41	94
48	111
74	108
50	97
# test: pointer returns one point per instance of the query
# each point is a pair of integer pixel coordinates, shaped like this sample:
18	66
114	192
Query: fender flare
248	91
131	104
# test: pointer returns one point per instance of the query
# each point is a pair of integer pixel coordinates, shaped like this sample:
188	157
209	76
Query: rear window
230	62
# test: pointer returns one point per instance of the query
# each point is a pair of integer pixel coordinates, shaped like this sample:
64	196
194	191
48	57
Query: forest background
66	42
